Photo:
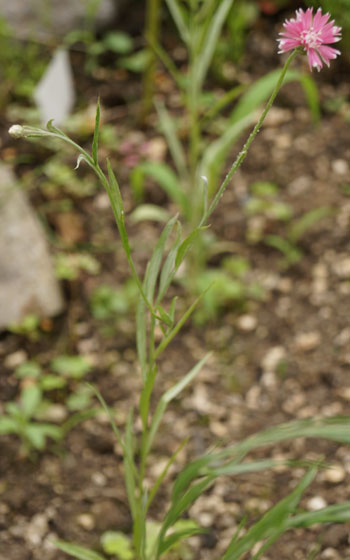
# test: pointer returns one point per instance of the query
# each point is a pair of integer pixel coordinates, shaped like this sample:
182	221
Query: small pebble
343	337
247	323
340	166
273	358
305	342
334	474
16	359
316	503
341	268
330	554
99	479
86	521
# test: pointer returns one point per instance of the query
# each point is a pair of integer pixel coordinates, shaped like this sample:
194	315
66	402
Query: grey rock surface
27	280
45	19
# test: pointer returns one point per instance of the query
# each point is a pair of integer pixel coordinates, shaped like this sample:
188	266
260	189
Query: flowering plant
313	33
157	324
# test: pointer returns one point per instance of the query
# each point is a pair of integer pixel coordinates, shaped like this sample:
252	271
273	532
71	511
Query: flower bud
17	131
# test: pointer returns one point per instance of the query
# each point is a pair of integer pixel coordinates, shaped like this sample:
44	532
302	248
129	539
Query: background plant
198	163
155	311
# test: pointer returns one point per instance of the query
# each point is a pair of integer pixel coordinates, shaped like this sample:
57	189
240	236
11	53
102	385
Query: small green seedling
20	419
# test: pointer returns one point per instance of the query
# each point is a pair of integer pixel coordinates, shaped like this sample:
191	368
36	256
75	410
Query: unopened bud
16	131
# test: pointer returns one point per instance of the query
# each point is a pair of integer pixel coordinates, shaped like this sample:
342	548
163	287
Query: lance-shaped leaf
96	133
79	552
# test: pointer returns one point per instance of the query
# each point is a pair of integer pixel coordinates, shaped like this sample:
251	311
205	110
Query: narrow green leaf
165	177
309	219
141	336
8	425
178	508
169	337
311	94
178	536
130	482
117	434
290	251
168	269
275	521
30	400
169	130
210	42
178	17
118	544
154	264
186	245
149	212
115	196
338	513
77	551
165	316
171	394
162	475
96	133
215	154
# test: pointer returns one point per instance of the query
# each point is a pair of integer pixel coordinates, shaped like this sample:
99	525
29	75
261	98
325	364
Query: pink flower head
313	33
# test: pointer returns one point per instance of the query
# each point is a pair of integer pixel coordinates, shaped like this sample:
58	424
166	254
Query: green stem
242	154
151	32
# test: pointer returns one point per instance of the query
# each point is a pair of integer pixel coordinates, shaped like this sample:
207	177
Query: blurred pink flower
313	33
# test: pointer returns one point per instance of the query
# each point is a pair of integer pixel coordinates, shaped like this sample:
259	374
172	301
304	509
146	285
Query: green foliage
68	266
22	64
288	245
110	303
20	419
157	324
115	542
29	326
75	367
264	201
229	286
240	19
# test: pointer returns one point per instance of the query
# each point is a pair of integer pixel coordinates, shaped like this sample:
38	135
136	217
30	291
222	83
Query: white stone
247	323
53	18
334	474
54	95
340	166
27	280
15	359
273	357
307	341
316	503
86	521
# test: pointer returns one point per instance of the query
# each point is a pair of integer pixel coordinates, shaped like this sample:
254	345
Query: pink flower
313	33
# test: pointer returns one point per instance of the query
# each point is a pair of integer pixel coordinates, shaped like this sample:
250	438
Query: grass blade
169	395
178	17
169	130
96	133
210	41
272	524
79	552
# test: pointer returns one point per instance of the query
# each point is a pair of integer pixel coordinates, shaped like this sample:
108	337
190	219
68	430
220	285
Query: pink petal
306	18
286	45
320	20
327	53
314	59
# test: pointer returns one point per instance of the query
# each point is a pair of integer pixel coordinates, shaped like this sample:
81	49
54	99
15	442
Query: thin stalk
151	31
242	154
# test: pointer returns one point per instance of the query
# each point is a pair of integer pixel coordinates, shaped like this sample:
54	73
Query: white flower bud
16	131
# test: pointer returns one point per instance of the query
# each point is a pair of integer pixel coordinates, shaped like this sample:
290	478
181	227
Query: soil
279	358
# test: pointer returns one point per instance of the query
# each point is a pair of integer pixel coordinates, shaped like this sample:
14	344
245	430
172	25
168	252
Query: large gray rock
27	280
45	19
